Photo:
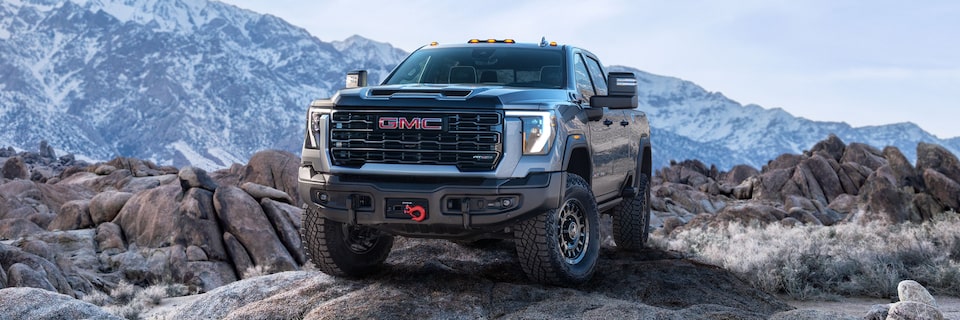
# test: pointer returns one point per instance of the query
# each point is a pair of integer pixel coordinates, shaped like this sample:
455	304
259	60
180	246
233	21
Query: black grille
469	140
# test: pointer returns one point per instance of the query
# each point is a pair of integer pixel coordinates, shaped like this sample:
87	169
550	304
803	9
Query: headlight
539	130
314	116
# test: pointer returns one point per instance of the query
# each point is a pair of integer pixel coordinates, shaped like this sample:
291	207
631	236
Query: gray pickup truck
489	139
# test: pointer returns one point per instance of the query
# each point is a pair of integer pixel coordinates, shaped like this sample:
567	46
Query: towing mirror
356	79
621	92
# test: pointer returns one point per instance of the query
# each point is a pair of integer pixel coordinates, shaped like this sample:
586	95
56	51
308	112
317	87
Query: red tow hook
417	213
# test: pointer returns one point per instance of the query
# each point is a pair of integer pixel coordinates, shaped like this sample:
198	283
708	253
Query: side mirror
356	79
621	92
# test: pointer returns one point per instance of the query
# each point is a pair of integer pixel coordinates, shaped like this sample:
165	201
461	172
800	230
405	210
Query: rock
15	168
155	219
844	204
738	174
926	206
816	180
109	238
863	154
942	188
771	184
276	169
36	247
790	222
106	205
938	158
195	253
18	228
243	217
909	310
34	271
749	212
21	275
67	159
260	192
238	254
852	176
783	161
46	151
7	152
105	169
804	216
31	303
902	170
670	224
41	174
282	215
909	290
3	275
73	215
832	147
209	275
666	289
878	312
883	200
52	196
193	177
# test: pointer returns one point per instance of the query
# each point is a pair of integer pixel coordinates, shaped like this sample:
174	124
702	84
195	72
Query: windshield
516	67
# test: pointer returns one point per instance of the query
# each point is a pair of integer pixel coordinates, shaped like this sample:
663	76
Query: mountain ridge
208	84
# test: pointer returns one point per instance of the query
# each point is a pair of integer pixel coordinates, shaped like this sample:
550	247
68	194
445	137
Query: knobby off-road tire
561	246
341	250
631	219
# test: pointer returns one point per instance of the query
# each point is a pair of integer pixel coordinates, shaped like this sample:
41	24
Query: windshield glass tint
517	67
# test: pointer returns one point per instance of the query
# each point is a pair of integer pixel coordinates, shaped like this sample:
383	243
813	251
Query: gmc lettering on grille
403	123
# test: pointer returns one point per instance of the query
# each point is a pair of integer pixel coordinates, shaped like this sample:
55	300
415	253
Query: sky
859	62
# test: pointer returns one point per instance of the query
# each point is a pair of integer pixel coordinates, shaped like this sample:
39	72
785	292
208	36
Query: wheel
631	219
341	250
561	246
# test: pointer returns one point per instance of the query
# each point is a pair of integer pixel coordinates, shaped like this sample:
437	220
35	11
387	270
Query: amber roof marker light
492	41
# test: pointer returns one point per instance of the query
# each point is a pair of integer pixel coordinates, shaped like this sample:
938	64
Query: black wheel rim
572	231
359	239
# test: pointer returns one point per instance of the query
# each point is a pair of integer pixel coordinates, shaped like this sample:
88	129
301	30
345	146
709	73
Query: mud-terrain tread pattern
631	220
317	242
542	262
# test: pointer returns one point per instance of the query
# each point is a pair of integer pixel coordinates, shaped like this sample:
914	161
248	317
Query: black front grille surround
470	140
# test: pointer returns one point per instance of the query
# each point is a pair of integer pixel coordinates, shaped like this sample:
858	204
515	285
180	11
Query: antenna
543	41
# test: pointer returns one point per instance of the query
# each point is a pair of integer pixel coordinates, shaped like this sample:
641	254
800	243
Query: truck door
604	136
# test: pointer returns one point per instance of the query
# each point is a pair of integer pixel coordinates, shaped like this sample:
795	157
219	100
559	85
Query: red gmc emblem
416	123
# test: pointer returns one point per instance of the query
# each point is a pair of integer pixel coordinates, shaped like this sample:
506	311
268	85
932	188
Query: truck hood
450	96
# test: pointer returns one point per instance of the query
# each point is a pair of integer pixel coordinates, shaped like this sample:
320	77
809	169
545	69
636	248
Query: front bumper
455	208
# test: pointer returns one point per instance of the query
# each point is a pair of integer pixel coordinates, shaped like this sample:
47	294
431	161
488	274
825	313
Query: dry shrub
152	294
124	292
818	262
256	271
97	298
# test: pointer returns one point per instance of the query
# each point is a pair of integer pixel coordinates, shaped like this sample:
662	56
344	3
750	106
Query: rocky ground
75	231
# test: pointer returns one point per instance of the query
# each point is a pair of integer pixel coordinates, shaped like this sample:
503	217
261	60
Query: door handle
624	123
607	122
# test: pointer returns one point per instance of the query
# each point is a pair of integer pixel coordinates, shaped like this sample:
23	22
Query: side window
584	85
599	78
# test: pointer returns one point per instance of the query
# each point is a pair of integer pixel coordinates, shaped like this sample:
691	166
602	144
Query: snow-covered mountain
176	81
692	123
205	83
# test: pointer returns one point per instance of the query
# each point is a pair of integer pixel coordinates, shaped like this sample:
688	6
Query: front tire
631	219
342	250
561	246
